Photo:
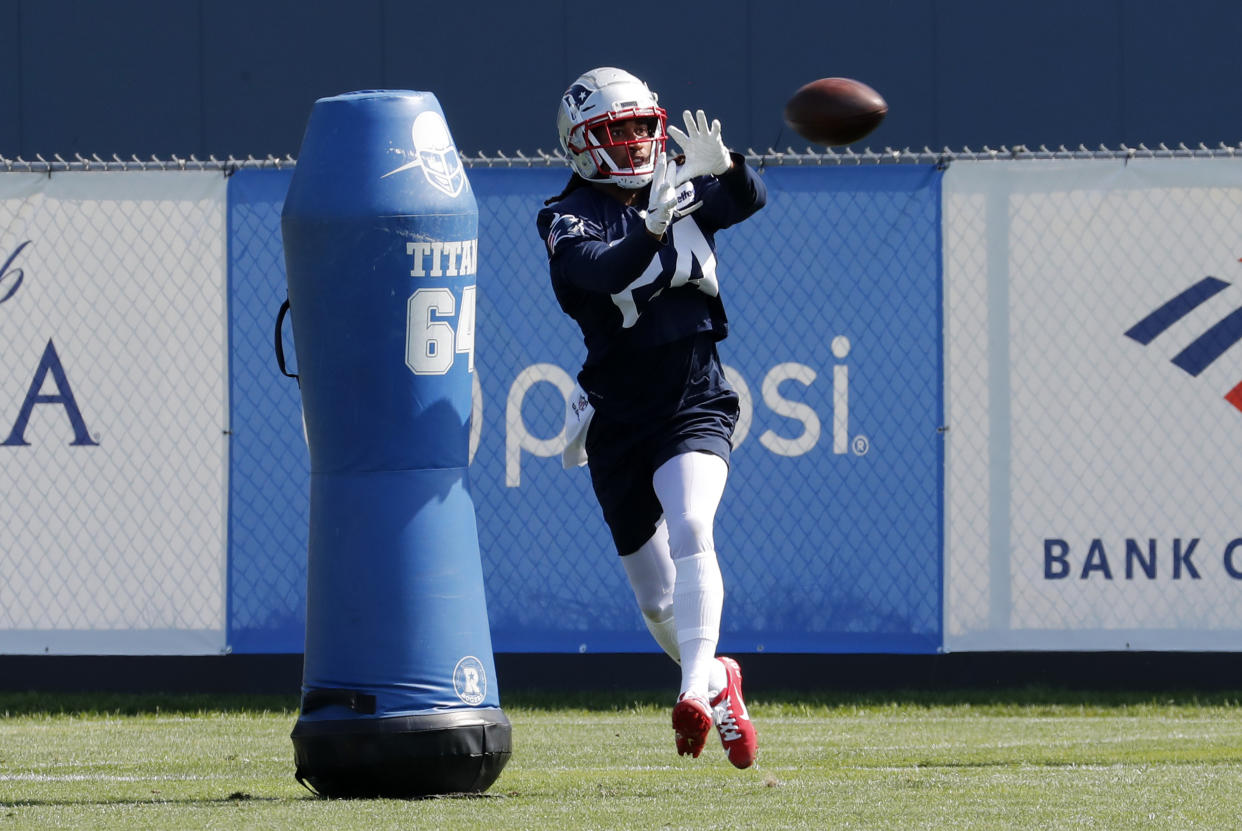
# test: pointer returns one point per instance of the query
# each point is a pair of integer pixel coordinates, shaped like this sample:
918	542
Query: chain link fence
553	581
270	464
765	158
1092	470
113	333
888	477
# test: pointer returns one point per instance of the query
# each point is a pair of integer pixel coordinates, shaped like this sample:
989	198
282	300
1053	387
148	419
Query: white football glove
663	198
705	150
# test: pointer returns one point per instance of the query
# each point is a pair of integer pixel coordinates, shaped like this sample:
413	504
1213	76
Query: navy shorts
623	457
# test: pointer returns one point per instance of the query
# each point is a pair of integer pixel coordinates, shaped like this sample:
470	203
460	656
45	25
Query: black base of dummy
403	757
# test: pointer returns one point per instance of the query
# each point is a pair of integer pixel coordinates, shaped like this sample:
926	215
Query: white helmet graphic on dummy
600	98
438	154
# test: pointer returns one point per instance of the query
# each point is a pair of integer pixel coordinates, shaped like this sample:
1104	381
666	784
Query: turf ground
1028	759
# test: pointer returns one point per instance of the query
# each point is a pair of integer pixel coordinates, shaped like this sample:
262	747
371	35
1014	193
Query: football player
632	254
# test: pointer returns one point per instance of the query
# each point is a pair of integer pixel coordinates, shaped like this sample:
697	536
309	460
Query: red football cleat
692	719
737	734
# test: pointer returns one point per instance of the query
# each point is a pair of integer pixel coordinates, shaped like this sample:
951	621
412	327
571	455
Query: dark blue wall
238	77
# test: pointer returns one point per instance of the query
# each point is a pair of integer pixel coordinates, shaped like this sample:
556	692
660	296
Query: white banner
113	412
1093	476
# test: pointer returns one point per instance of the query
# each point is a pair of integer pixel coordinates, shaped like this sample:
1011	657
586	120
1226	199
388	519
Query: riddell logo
1204	349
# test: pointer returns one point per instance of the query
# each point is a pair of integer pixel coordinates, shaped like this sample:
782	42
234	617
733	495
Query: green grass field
1025	759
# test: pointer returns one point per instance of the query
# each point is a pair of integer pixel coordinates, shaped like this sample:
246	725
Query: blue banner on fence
269	466
829	534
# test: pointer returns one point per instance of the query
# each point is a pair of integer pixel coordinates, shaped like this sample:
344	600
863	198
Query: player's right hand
663	198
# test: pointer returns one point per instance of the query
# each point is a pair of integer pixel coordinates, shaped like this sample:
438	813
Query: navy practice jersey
633	296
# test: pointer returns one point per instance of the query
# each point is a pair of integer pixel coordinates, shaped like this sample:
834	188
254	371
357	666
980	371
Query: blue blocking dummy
380	231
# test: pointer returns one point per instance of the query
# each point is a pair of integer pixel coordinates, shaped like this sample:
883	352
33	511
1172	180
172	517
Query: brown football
835	111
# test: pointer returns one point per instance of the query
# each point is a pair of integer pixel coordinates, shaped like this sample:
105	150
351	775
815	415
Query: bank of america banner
113	416
1092	317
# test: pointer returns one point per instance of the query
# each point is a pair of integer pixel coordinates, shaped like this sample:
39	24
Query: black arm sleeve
732	196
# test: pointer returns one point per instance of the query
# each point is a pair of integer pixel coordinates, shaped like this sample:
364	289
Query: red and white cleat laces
737	734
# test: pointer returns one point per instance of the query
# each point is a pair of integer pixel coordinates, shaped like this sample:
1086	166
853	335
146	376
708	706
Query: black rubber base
403	757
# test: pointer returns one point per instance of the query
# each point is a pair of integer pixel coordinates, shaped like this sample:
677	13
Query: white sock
716	681
665	634
689	487
698	597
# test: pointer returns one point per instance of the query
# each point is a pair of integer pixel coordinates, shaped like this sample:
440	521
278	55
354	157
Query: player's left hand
705	150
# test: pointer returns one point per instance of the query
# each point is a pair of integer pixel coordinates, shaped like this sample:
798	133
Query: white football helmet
598	98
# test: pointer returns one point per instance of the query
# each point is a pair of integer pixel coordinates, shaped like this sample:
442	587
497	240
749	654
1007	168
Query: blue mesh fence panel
551	579
838	548
830	531
269	497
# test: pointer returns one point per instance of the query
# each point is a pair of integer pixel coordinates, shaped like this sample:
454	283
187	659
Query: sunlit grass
1022	759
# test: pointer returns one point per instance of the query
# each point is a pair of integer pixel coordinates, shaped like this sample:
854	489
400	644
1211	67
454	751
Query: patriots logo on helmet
574	97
